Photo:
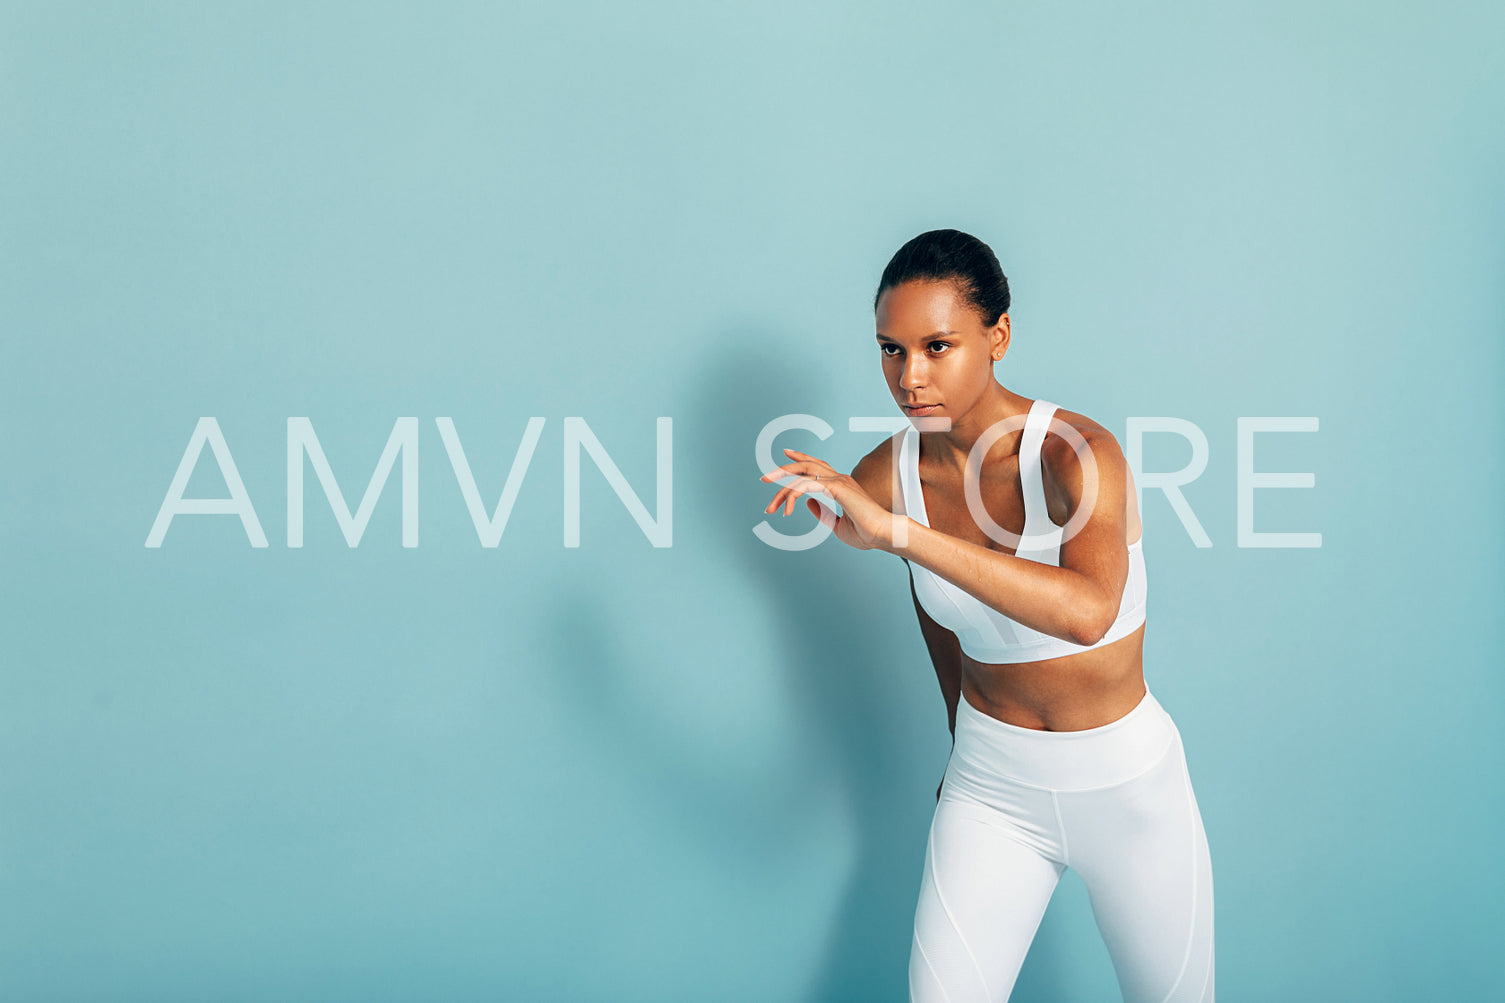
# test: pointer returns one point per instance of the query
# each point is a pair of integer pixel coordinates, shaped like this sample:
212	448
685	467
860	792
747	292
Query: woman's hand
863	524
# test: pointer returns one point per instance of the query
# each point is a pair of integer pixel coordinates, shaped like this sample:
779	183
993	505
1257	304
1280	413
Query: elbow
1093	627
1087	637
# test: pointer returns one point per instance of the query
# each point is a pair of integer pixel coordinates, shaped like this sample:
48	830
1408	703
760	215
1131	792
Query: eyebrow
933	334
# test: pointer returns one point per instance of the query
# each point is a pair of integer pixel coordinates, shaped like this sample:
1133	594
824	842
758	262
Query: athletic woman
1019	524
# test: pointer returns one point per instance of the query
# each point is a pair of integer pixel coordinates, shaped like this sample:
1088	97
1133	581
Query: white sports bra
986	635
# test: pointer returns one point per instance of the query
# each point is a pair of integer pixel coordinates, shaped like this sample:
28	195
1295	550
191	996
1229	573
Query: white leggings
1019	806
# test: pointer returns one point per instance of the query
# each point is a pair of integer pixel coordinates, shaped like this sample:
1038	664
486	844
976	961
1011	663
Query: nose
913	374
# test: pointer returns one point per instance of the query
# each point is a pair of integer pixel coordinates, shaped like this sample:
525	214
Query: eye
885	350
940	346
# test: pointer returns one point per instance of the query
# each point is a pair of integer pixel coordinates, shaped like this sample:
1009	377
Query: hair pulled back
955	257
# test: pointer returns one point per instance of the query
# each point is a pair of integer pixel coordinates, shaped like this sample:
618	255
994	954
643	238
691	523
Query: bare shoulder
875	473
1062	465
1056	445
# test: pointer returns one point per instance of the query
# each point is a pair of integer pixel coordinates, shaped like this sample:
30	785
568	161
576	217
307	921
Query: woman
1019	524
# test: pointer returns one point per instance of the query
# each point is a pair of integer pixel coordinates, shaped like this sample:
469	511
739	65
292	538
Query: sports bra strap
909	475
1040	534
1041	537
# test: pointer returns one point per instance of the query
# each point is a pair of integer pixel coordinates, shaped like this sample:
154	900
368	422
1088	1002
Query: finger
807	458
789	492
804	486
786	470
795	490
825	515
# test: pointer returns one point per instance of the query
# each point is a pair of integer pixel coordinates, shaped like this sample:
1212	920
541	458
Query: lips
918	409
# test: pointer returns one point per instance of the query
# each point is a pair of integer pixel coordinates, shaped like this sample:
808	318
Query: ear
998	337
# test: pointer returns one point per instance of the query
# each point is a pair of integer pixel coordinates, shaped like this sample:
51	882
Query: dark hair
955	257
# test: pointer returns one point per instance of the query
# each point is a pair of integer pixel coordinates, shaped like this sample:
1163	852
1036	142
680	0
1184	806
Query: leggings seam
931	968
1191	932
1061	828
936	882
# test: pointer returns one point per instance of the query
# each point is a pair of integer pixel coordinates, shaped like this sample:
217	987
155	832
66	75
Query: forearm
1053	600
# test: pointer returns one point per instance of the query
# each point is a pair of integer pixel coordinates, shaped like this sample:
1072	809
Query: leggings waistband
1063	760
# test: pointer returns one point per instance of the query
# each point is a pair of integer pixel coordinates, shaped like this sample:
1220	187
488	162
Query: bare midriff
1087	689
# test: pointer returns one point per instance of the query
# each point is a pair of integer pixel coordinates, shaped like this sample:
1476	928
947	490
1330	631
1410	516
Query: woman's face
937	355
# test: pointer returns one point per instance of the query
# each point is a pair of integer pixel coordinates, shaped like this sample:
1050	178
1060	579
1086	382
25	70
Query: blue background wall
706	771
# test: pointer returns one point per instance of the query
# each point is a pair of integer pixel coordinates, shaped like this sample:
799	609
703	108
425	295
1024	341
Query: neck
952	447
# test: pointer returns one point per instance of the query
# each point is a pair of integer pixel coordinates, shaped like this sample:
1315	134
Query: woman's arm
1077	601
877	474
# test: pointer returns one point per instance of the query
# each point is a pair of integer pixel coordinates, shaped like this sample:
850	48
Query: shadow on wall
839	666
